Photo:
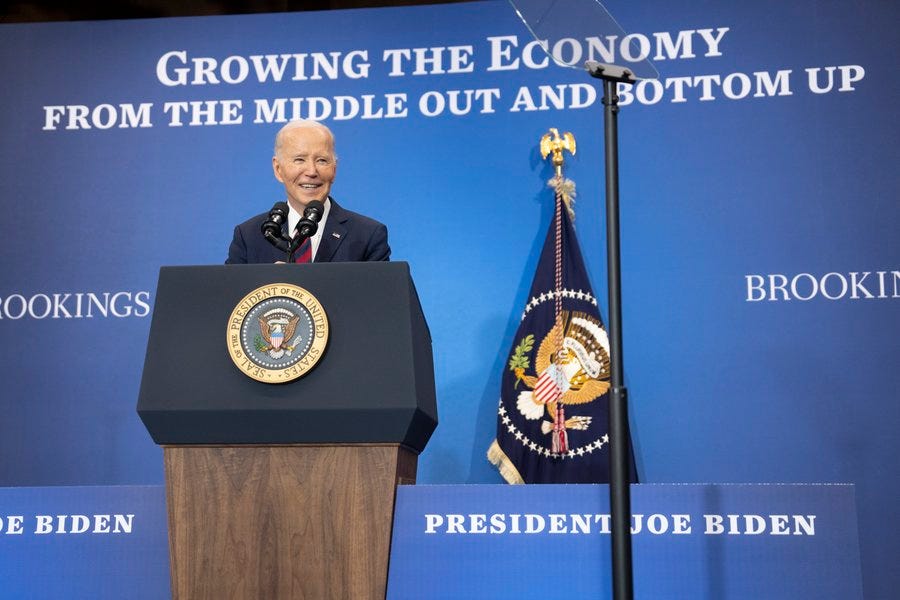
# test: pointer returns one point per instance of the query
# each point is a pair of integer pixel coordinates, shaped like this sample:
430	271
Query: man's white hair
302	124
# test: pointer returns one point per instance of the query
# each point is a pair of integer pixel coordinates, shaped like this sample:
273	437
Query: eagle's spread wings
547	143
588	392
569	142
548	347
290	328
264	328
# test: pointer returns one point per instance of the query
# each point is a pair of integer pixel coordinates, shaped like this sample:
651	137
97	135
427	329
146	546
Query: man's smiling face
305	163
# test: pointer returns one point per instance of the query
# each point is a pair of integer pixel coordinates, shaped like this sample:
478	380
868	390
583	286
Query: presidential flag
552	419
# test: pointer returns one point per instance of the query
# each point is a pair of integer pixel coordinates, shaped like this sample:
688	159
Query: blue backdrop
758	190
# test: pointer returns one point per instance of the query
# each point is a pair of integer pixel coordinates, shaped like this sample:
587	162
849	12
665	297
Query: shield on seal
276	336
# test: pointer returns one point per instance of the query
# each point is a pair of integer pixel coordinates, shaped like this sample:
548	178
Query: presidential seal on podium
277	333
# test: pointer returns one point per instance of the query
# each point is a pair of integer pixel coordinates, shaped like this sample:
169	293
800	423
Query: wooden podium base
279	522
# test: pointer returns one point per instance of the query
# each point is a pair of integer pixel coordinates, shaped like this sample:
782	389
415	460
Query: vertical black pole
619	492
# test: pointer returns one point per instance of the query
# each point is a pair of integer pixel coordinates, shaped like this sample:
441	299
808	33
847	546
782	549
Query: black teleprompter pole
619	490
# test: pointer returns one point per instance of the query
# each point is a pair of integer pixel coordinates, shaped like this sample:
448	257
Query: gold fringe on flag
498	458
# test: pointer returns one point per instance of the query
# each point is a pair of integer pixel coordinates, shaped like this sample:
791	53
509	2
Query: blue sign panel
689	541
84	543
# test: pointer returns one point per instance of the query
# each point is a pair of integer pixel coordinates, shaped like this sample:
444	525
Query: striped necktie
304	252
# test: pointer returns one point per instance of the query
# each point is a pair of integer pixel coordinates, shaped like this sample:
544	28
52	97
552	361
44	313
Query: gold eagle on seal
574	374
277	328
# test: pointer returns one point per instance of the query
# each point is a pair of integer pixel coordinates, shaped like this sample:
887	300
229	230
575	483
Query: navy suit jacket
348	236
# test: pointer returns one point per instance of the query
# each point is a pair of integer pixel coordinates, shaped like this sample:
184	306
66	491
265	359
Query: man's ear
276	168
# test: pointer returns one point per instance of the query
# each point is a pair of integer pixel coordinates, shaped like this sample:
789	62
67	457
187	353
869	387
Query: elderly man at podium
306	164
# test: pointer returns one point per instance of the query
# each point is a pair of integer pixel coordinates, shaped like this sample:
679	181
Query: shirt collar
294	218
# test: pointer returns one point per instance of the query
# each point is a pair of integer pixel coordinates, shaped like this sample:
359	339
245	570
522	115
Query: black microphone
309	223
271	228
312	214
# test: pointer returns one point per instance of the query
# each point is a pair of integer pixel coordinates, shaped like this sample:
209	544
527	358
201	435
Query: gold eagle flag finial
553	143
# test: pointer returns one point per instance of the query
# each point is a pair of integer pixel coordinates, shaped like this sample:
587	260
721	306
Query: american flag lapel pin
335	235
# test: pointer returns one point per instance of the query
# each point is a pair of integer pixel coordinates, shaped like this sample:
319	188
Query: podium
286	490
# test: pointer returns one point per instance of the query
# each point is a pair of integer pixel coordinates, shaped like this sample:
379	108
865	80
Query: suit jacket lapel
335	232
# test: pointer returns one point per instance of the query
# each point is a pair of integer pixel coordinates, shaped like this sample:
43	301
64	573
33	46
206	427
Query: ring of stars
541	450
551	295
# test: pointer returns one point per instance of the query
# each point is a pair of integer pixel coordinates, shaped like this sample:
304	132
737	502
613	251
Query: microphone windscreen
280	208
314	210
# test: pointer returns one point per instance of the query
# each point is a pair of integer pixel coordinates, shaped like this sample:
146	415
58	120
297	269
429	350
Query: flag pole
619	490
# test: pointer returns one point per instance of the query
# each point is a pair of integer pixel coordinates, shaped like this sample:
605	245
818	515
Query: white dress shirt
294	218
